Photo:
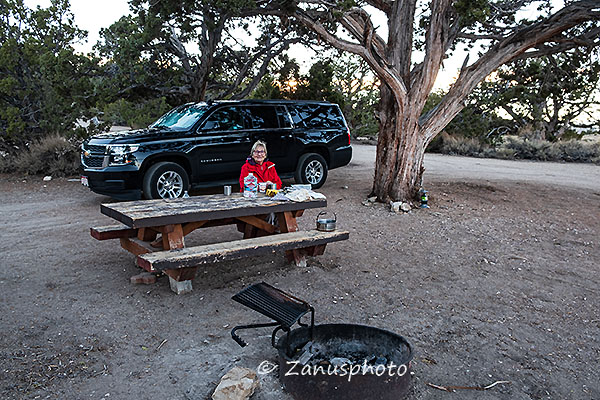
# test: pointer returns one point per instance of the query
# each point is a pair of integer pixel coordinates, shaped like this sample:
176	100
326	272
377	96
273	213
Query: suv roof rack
265	101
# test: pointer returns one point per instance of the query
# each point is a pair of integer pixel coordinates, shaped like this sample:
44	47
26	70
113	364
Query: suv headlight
121	154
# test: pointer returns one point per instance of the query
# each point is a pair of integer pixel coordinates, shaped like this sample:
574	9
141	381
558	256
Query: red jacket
264	173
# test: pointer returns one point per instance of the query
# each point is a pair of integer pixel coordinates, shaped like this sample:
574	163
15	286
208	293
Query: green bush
52	155
135	114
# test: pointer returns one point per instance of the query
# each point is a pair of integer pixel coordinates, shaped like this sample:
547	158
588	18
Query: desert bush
514	147
504	153
569	150
461	146
577	151
437	144
52	155
529	149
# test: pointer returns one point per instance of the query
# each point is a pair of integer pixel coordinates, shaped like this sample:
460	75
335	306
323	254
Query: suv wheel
312	169
165	180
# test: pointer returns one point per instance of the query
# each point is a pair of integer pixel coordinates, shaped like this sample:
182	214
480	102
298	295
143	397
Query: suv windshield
181	118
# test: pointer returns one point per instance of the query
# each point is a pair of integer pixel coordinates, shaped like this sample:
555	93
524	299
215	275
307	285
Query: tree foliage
475	121
343	79
544	95
44	85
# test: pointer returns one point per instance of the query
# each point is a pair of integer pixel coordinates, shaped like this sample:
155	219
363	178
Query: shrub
578	151
570	150
52	155
504	153
437	144
514	147
529	149
135	114
463	146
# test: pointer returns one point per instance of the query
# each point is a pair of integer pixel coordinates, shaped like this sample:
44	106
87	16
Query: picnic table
142	221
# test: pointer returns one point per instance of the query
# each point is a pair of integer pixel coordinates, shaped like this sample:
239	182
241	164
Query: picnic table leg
180	279
288	223
255	226
249	231
146	234
318	250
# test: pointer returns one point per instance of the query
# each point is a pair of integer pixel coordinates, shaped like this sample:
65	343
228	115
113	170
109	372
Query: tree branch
590	39
383	5
268	53
385	72
435	44
503	52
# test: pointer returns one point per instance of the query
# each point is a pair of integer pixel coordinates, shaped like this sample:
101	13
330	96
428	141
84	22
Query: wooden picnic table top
161	212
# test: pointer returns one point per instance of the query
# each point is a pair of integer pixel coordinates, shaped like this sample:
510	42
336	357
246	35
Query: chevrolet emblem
86	153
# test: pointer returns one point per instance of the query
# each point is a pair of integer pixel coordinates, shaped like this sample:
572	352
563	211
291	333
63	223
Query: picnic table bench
142	221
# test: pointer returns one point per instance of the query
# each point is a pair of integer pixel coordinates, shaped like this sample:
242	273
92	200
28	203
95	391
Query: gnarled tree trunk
400	151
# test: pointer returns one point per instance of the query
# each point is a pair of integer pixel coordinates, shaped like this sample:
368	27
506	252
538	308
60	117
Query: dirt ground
498	281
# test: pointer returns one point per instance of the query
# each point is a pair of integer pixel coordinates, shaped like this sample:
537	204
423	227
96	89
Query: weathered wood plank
249	231
194	256
112	232
172	236
136	246
259	223
143	213
192	226
287	223
315	250
146	234
181	274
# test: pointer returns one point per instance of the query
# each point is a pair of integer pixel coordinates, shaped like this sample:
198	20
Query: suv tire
165	180
312	168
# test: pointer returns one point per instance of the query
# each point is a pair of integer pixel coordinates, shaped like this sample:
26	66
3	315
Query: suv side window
263	117
284	117
317	116
224	119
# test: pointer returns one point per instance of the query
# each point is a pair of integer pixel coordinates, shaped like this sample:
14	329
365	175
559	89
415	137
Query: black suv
206	144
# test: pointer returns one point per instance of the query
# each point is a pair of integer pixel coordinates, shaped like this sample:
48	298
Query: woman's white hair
259	143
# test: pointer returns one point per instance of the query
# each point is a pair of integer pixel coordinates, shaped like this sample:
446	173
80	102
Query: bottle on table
250	185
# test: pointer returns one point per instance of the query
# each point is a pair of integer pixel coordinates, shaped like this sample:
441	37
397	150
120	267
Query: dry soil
497	281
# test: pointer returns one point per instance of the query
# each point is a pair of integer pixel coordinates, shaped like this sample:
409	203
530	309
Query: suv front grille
95	148
93	156
93	162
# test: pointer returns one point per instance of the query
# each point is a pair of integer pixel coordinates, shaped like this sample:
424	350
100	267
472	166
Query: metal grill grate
275	304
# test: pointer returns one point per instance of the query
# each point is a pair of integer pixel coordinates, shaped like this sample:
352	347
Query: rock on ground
237	384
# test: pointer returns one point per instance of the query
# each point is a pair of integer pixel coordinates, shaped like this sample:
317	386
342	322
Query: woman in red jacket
258	165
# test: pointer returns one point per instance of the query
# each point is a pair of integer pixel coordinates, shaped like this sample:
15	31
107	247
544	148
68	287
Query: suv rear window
263	117
317	116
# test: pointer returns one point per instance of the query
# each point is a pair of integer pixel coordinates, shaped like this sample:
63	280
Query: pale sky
91	16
